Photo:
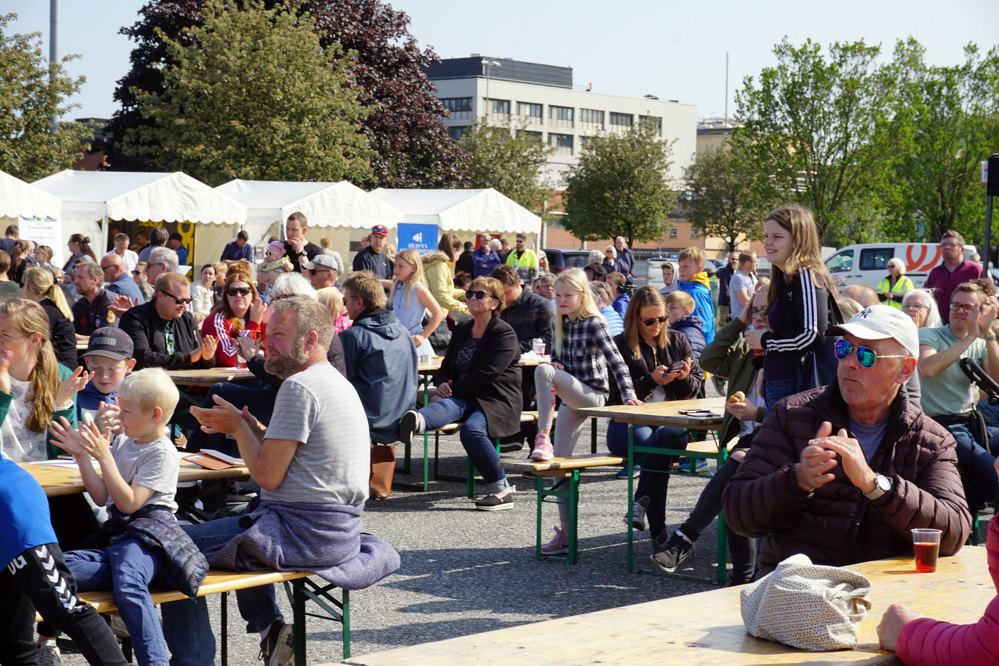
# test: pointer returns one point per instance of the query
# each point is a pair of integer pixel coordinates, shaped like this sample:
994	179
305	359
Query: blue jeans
474	436
775	389
126	567
652	482
186	625
977	468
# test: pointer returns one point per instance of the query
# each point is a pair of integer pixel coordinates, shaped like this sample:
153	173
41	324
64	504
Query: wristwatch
990	337
882	485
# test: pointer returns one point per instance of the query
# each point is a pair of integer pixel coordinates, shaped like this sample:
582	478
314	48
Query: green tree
32	93
251	93
946	122
814	131
509	162
621	187
718	199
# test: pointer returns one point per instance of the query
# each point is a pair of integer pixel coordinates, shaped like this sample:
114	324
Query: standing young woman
40	287
662	367
240	315
802	304
578	373
203	292
411	299
79	247
18	258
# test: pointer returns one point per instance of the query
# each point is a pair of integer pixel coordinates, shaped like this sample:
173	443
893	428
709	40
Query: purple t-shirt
941	282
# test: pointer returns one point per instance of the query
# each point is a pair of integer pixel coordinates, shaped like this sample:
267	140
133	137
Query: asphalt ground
466	571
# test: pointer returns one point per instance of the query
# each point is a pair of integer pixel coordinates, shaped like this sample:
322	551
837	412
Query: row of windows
675	233
561	116
563	143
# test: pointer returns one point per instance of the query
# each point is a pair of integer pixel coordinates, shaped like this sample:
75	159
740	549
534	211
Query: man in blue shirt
484	259
238	250
176	243
119	281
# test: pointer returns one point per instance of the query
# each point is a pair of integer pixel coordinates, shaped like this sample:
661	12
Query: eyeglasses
136	272
913	306
476	294
962	307
757	311
180	301
239	291
649	322
867	356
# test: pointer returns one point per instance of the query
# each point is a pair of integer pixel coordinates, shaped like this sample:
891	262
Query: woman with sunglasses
662	367
240	316
479	381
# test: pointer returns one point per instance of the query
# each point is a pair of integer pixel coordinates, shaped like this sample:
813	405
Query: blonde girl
40	287
583	351
411	299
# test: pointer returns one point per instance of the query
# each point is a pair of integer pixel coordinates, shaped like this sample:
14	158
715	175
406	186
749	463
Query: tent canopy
117	195
462	210
20	198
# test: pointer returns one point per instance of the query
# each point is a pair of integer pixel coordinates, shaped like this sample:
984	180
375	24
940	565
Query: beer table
707	628
64	479
208	376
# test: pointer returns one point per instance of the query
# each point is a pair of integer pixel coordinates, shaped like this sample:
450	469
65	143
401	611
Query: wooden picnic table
65	480
208	376
433	363
707	628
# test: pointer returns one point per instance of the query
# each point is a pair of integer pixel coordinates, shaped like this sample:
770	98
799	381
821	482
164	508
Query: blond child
694	280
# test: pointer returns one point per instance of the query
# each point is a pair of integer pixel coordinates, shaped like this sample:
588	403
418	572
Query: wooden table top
208	376
664	413
56	480
707	628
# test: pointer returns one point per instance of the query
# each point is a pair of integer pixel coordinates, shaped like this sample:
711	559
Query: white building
540	100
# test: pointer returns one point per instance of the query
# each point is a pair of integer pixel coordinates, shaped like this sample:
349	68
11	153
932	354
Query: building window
695	232
499	107
655	121
460	108
560	116
621	119
533	135
591	119
585	142
674	232
457	132
561	142
530	110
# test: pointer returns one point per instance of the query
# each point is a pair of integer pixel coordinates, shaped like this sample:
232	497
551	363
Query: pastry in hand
738	396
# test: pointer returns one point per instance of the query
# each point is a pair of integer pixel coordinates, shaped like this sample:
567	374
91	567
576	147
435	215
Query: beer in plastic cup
926	546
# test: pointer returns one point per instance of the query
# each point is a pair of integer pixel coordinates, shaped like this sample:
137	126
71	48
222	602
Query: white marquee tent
35	211
93	199
479	211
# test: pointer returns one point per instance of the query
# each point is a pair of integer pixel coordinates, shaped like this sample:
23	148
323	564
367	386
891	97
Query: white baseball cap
881	322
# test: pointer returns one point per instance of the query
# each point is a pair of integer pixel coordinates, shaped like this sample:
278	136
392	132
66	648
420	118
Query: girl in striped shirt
578	374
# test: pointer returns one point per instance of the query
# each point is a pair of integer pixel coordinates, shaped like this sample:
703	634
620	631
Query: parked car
560	260
868	263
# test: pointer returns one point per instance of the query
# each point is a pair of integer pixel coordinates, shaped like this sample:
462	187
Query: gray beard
287	365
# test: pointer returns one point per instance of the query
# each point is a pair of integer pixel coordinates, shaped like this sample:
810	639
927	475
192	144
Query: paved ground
466	571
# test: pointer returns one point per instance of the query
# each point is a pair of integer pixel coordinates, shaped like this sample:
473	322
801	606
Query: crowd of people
851	416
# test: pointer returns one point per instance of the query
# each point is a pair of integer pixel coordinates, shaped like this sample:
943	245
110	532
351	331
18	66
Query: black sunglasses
180	301
649	322
240	291
476	294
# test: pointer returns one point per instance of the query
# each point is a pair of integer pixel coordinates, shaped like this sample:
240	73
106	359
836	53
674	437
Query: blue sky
675	50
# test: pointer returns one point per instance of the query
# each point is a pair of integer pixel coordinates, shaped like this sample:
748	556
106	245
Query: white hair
898	264
292	284
495	245
166	257
924	298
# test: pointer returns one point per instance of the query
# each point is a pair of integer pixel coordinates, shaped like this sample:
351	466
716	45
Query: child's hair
601	293
332	300
616	281
221	268
148	388
42	282
411	257
29	318
365	286
462	280
47	250
574	279
805	250
644	297
694	254
681	298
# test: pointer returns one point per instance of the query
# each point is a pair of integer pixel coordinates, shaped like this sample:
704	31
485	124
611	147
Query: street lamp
489	65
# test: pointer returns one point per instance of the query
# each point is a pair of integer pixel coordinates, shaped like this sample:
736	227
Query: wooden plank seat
567	471
297	584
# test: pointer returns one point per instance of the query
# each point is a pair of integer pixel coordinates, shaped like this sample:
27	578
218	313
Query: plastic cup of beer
926	545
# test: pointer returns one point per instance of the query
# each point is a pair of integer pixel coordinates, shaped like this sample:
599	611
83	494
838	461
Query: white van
868	263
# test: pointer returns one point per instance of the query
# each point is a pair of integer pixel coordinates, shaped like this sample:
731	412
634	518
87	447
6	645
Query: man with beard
312	466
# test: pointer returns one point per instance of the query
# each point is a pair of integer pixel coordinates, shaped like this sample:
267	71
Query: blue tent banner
420	237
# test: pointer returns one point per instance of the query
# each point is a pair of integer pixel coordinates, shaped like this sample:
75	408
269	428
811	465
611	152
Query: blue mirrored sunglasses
867	356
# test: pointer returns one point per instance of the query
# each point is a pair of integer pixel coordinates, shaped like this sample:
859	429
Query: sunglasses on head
475	294
240	291
649	322
867	356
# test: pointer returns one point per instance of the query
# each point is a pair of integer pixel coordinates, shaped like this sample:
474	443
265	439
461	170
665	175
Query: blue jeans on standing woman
474	436
652	482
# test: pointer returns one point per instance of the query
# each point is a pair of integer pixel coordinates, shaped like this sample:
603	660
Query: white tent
36	212
341	206
485	211
90	199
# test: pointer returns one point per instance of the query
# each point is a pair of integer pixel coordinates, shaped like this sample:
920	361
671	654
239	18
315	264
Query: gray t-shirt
740	282
155	465
869	436
320	409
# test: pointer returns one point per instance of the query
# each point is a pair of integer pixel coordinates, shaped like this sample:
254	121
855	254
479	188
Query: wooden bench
297	584
567	471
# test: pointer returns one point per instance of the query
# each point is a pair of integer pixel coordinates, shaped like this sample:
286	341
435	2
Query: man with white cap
842	472
323	271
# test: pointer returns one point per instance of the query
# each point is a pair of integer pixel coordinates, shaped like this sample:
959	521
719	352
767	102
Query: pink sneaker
559	545
543	449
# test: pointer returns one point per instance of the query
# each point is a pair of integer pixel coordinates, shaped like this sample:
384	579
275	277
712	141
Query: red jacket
927	641
216	324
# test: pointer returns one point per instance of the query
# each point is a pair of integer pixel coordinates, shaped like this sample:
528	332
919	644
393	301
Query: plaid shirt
587	351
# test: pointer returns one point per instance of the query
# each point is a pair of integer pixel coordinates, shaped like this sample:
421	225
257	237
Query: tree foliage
814	130
32	93
252	94
621	187
509	162
718	199
403	126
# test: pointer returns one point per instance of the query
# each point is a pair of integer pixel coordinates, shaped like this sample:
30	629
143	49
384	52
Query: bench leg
631	497
304	589
573	516
539	487
224	623
298	613
567	487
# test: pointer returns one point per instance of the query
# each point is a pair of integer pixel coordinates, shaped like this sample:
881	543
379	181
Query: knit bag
807	606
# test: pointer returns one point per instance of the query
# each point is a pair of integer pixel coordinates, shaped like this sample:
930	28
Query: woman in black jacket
662	367
40	287
479	381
